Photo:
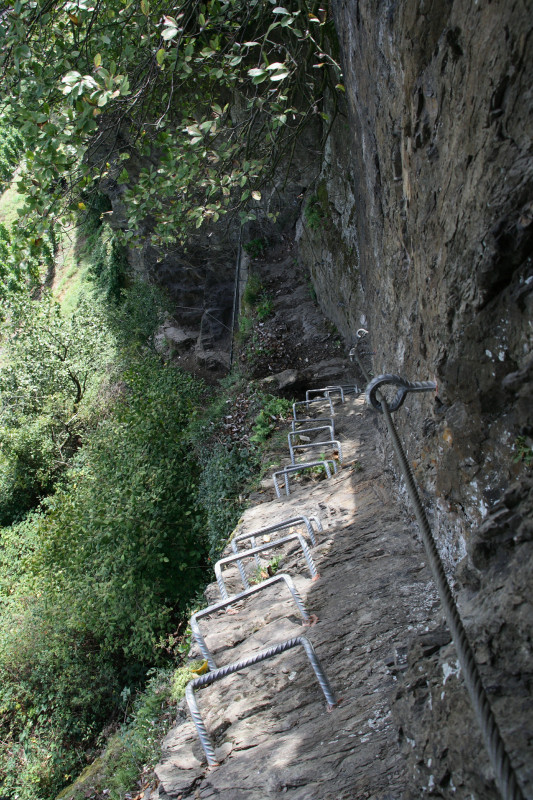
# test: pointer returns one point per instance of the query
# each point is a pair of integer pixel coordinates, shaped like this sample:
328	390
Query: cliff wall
427	233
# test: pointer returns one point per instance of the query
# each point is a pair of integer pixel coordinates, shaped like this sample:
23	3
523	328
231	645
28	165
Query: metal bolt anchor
395	380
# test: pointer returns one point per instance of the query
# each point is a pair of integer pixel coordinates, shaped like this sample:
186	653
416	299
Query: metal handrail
309	430
325	392
307	403
316	444
286	523
315	421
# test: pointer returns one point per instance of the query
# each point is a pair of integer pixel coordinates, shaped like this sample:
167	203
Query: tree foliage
91	582
50	361
11	146
186	106
182	110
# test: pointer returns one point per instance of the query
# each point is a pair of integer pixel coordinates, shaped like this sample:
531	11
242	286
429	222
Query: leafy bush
256	247
109	265
246	325
133	521
19	270
136	746
253	291
523	451
11	145
91	582
313	213
137	316
272	412
265	307
51	362
226	471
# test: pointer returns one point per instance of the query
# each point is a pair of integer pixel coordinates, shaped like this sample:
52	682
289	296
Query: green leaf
98	60
71	77
169	33
160	56
145	7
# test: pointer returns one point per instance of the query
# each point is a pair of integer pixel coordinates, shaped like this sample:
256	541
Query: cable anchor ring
395	380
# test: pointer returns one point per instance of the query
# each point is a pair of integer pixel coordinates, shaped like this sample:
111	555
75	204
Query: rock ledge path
374	597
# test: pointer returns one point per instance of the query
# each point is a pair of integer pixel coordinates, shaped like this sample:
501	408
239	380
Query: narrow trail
272	731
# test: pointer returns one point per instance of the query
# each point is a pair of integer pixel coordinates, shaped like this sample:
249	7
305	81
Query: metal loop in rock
404	387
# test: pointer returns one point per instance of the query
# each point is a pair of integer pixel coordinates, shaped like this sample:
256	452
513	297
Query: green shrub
137	316
52	363
253	291
523	453
313	213
20	270
246	325
256	247
93	581
225	473
109	265
265	307
273	411
133	520
136	746
11	145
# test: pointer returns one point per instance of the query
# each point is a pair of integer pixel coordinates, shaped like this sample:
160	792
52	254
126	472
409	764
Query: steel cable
504	772
505	775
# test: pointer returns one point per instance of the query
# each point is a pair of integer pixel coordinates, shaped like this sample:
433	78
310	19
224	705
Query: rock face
439	203
429	189
327	233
